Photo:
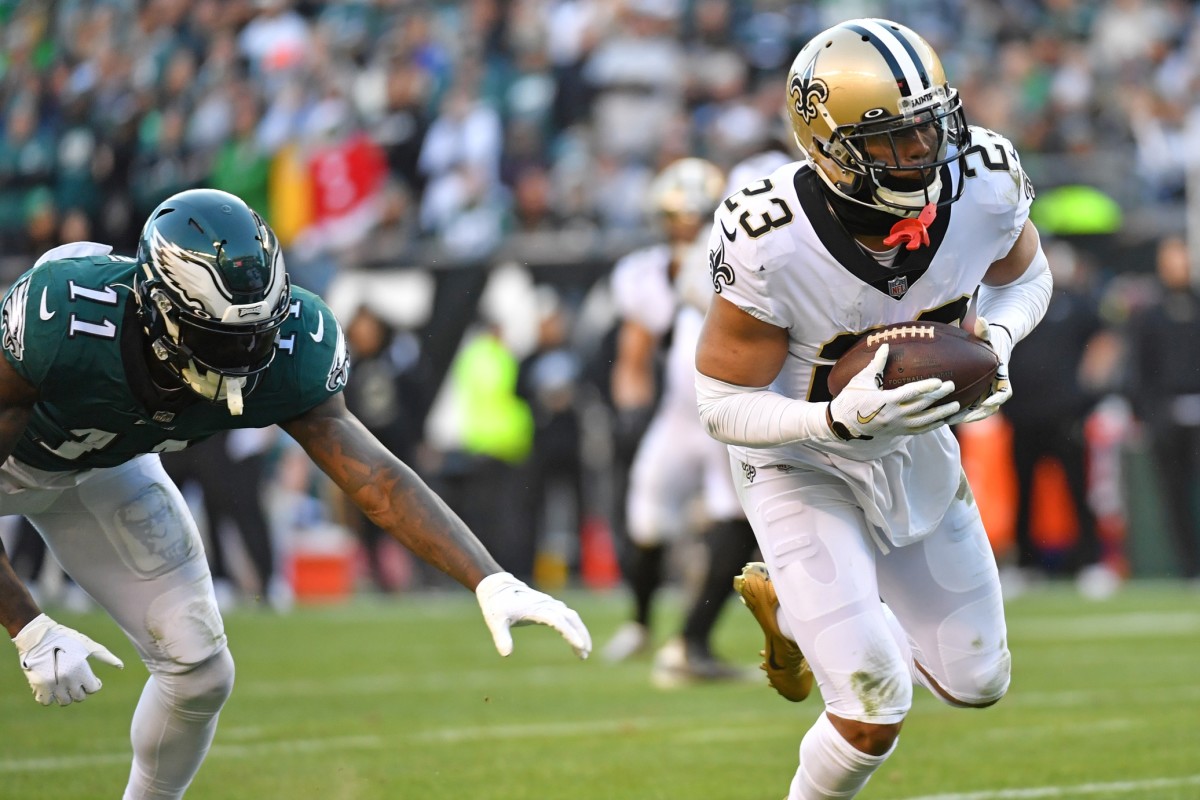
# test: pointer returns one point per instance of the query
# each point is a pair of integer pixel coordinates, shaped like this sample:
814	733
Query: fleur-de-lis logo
722	273
806	91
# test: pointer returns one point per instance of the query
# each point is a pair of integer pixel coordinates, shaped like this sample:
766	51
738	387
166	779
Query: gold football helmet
684	195
870	106
687	187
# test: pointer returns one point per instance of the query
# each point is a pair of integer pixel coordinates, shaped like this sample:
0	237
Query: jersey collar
909	266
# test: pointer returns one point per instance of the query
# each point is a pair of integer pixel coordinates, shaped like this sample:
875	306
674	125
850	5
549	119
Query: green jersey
70	328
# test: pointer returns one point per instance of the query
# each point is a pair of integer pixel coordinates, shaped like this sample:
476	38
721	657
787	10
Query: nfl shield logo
898	286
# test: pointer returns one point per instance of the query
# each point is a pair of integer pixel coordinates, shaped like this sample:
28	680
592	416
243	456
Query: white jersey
642	290
777	252
676	459
645	292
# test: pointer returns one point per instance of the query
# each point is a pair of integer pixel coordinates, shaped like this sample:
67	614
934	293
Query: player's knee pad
201	691
879	695
186	626
992	679
978	683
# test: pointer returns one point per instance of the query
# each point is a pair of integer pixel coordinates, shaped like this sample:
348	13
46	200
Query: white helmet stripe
898	53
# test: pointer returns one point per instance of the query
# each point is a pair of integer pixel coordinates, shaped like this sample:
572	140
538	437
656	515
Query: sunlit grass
408	699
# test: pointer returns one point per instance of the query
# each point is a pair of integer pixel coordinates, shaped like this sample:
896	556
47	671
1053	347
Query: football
920	350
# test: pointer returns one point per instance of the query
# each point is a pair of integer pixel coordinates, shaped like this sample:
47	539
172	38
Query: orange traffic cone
598	567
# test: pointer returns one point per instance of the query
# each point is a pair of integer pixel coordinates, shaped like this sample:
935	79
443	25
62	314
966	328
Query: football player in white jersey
899	212
660	293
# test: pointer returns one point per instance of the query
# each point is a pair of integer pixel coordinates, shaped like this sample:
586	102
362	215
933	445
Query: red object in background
987	460
598	567
1052	513
1107	430
347	180
322	577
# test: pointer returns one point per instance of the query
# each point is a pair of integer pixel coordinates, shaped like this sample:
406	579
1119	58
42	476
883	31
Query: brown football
920	350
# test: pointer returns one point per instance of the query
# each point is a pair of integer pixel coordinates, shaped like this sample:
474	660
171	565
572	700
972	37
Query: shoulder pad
993	159
313	340
753	225
73	250
640	275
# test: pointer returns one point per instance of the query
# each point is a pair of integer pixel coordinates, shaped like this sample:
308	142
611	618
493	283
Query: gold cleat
786	667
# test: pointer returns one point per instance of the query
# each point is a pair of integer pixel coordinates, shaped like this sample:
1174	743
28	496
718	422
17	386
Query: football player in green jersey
109	361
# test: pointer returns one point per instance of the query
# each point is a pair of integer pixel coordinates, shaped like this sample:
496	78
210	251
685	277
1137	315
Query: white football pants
830	576
126	537
676	462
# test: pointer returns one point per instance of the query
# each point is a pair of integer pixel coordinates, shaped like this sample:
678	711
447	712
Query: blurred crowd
464	123
462	126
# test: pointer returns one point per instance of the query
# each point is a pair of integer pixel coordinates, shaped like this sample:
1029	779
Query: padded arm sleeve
758	417
1019	306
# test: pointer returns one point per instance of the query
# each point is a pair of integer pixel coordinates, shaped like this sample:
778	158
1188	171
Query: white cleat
631	639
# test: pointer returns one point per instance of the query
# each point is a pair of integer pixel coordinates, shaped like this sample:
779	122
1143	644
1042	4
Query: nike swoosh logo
320	334
864	420
57	650
728	235
44	312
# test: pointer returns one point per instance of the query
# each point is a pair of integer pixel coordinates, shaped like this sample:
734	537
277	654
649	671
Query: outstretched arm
397	500
390	493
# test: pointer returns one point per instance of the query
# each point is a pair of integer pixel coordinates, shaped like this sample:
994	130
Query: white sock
173	727
830	767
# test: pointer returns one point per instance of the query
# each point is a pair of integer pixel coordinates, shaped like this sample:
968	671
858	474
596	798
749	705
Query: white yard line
416	683
1057	729
1079	790
58	763
441	736
542	730
1134	625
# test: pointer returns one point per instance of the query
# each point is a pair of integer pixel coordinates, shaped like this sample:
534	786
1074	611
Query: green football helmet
212	292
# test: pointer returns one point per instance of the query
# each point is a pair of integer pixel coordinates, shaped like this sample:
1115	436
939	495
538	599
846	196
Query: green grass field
407	699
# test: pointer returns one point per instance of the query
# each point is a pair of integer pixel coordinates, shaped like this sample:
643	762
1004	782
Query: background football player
661	293
111	360
900	212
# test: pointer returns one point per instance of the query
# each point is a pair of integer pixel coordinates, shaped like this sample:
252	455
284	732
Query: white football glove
864	410
55	660
1000	340
508	602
